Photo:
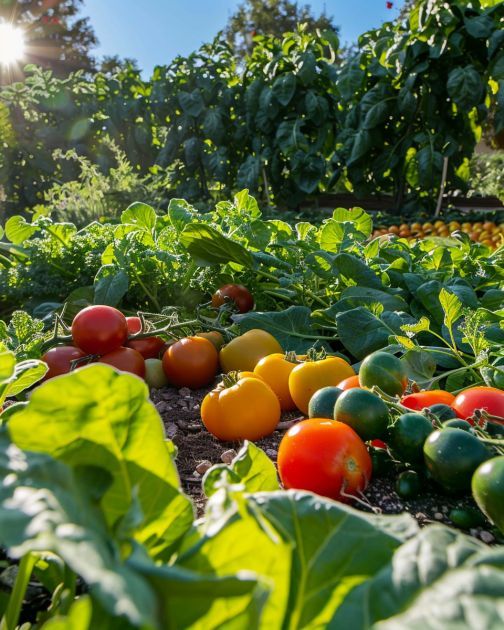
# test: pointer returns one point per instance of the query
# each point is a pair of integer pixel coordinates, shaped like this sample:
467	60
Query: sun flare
12	44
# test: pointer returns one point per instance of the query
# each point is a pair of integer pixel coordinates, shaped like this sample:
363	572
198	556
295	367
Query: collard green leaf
26	374
111	285
97	416
313	551
359	217
180	213
208	247
439	578
45	507
362	332
292	328
18	230
420	366
140	215
352	271
251	467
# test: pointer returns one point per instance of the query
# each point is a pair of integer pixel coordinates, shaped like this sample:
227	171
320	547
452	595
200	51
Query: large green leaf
292	327
363	332
140	215
208	247
97	416
48	507
439	579
284	88
18	230
313	551
352	297
251	467
465	86
352	271
111	285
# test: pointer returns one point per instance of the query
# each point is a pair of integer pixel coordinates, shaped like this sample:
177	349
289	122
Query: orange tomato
191	362
245	410
310	376
349	383
275	370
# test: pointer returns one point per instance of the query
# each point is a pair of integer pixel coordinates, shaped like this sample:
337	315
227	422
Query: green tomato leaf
452	307
18	230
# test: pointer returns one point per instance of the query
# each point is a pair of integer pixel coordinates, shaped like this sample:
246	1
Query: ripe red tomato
191	362
149	348
236	293
420	400
126	360
489	398
99	329
326	457
134	325
351	382
59	359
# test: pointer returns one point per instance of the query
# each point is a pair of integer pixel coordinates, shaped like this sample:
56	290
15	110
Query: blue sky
155	31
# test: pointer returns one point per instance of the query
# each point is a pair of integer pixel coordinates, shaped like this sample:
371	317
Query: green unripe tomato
408	484
488	490
365	412
322	402
458	424
385	371
466	517
452	455
408	436
154	373
443	412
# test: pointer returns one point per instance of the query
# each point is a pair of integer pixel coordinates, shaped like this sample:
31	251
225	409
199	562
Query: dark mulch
180	410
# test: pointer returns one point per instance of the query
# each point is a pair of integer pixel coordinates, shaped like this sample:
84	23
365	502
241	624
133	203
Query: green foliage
286	122
487	174
417	92
321	563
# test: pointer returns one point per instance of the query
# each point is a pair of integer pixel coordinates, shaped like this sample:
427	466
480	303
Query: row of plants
288	122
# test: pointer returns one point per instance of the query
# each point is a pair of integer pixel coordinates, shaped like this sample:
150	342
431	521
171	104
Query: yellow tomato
246	410
275	370
244	352
307	378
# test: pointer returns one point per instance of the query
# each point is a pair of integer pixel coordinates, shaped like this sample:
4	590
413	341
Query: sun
12	44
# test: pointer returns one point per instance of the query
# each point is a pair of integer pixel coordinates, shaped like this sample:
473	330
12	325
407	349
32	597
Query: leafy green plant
90	504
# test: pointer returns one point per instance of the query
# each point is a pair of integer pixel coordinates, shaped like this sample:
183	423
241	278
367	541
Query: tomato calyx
313	355
292	357
230	379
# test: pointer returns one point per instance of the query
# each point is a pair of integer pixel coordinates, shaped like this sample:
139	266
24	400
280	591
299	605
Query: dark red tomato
490	399
134	325
379	444
59	359
326	457
420	400
99	329
191	362
236	293
126	360
149	348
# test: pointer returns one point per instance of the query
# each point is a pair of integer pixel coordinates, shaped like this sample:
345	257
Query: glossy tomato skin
385	371
243	353
214	336
99	329
125	360
351	382
275	370
191	362
364	412
310	376
59	360
247	410
490	399
134	325
420	400
236	293
149	348
325	457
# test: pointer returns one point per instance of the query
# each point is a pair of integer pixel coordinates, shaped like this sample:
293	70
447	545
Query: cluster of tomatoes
487	232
